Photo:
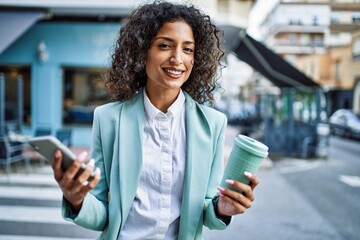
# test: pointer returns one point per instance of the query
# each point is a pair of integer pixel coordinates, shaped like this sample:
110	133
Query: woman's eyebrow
172	40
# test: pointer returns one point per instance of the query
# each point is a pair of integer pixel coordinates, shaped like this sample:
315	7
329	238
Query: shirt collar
175	109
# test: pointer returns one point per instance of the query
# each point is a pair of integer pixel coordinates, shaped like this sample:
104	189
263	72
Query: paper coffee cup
246	155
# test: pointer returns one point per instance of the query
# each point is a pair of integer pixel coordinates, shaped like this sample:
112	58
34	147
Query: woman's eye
188	50
163	45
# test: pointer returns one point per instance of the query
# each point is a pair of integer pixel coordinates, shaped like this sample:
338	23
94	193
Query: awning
269	64
13	24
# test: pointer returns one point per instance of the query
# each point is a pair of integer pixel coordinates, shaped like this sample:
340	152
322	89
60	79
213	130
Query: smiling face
170	58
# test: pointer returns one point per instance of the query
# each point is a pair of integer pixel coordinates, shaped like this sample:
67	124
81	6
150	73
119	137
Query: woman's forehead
176	28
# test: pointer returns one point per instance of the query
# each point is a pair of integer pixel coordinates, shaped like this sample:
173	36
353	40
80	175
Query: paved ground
30	208
279	211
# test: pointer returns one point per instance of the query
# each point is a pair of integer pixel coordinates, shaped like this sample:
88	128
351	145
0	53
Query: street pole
20	97
2	104
291	127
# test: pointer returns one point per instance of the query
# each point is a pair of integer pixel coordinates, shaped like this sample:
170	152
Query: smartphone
47	145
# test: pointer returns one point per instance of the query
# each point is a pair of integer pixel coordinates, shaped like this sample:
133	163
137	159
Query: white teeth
173	71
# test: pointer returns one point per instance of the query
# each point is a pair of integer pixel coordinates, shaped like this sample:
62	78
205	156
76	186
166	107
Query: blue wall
68	44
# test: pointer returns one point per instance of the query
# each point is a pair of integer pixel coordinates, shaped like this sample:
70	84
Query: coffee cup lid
252	145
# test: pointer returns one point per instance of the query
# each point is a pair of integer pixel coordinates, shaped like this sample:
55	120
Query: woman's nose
176	58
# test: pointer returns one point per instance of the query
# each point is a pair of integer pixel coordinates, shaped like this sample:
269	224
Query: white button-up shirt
155	213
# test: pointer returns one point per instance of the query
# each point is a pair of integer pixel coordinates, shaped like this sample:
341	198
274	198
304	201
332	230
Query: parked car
345	123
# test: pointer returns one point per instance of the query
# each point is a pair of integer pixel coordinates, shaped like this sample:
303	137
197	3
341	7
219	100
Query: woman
158	150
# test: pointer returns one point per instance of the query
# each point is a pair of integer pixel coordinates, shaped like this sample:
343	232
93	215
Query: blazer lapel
198	163
130	152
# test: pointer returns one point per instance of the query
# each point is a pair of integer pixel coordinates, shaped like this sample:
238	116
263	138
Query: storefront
61	64
294	120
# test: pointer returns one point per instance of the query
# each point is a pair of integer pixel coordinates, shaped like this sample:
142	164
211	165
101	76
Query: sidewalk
279	211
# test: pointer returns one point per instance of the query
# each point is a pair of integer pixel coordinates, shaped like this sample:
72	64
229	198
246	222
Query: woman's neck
162	100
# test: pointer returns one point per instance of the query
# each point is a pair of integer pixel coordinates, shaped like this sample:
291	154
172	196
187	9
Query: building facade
318	38
295	28
61	88
60	56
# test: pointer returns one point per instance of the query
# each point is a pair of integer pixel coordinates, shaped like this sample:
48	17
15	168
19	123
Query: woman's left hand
232	202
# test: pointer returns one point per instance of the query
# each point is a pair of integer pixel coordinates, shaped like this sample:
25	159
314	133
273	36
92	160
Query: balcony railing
310	43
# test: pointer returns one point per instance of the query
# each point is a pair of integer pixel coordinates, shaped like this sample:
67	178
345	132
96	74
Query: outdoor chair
11	152
42	132
64	135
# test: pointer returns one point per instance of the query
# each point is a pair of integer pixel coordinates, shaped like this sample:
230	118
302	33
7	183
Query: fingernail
248	174
83	156
83	165
220	194
97	171
91	163
221	189
57	153
228	181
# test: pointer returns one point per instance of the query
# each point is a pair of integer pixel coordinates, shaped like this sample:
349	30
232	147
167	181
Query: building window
315	20
11	75
356	18
356	48
84	89
305	39
318	40
292	39
335	17
337	70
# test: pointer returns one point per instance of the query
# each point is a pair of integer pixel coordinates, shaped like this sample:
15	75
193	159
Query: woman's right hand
75	190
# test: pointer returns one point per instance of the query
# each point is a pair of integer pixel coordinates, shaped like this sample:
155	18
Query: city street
333	188
286	72
304	199
296	199
30	209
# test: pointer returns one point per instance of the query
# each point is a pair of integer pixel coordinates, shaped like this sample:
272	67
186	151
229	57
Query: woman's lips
174	73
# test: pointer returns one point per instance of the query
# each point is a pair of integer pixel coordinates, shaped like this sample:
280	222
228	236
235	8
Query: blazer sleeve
94	211
210	219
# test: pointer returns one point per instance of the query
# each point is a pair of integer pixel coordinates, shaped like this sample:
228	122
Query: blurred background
292	81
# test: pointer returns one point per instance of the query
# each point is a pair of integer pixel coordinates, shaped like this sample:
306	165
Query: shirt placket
166	173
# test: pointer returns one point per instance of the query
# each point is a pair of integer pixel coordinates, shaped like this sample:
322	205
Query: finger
243	188
236	196
89	171
69	175
238	208
56	165
95	179
92	183
78	164
82	156
82	179
254	181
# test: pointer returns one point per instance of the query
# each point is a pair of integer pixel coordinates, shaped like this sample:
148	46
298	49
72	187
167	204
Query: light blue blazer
117	150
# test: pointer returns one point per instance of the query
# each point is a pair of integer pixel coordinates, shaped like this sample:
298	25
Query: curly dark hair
127	73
